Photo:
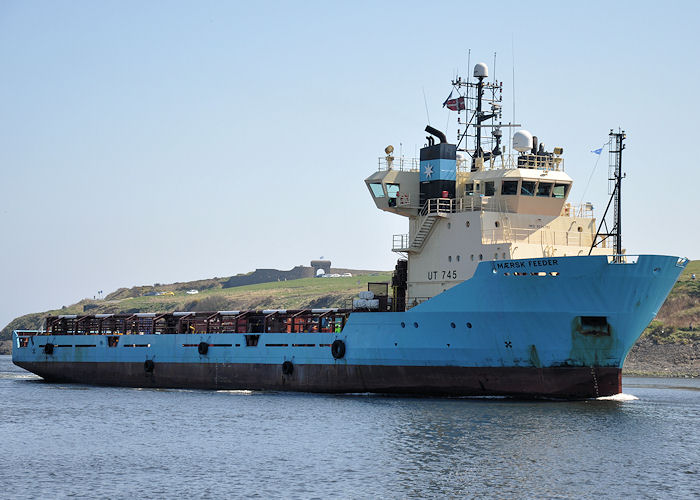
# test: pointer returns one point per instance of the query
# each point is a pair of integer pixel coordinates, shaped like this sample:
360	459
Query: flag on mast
457	104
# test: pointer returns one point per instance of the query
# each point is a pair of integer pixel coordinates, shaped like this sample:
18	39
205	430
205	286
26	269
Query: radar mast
482	103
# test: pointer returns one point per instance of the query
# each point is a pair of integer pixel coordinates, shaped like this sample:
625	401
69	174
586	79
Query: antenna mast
615	177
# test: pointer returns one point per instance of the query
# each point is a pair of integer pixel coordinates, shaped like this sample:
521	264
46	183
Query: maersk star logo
428	171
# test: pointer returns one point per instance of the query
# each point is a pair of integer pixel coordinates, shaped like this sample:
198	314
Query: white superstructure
498	207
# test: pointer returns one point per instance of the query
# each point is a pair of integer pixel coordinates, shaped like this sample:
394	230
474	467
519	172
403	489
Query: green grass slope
678	320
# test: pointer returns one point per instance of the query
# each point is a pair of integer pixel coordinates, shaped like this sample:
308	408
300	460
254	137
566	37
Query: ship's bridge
525	183
520	190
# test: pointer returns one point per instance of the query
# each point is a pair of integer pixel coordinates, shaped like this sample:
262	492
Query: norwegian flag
457	104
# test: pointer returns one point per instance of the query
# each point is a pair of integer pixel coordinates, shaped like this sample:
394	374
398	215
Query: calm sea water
62	440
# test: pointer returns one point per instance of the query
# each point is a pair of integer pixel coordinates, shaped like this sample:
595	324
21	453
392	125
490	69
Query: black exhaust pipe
436	133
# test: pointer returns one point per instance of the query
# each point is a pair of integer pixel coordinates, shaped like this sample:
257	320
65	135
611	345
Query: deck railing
505	161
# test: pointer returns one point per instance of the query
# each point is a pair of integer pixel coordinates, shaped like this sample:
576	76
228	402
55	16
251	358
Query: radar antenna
482	102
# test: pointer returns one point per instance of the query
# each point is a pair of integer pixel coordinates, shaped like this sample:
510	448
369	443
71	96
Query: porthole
449	258
453	325
458	258
466	223
481	257
415	325
472	257
580	229
495	256
449	225
496	223
504	255
403	325
469	325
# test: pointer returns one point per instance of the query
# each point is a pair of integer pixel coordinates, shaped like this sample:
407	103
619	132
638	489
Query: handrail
477	202
400	242
505	161
414	301
443	206
401	164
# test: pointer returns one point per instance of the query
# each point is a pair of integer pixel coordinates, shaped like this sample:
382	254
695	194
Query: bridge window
377	190
509	187
544	189
469	188
560	190
392	190
489	188
527	188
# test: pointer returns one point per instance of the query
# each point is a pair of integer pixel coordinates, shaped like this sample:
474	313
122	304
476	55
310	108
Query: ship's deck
253	321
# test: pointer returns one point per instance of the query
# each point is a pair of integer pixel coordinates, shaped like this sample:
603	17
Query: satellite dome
481	70
522	141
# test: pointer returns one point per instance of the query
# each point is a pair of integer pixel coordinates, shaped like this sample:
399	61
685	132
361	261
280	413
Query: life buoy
149	365
338	349
48	348
287	368
203	348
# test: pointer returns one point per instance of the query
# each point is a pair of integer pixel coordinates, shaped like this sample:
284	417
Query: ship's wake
618	397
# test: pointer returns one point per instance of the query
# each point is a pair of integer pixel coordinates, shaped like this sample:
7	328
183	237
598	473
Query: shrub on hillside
213	303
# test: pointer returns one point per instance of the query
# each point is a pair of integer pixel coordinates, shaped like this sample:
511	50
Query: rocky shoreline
653	359
647	358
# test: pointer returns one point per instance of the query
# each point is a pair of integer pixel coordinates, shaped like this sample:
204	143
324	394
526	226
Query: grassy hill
678	320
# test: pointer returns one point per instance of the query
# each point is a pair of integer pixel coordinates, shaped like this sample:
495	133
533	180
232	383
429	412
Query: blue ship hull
524	328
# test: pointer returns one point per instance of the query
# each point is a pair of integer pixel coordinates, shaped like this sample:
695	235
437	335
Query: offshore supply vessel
502	288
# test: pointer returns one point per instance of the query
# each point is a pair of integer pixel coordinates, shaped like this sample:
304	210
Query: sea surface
63	440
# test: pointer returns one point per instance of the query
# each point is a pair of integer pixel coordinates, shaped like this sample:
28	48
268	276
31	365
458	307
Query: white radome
522	141
481	70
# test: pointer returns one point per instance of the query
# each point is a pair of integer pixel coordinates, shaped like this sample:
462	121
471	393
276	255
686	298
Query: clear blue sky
145	142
